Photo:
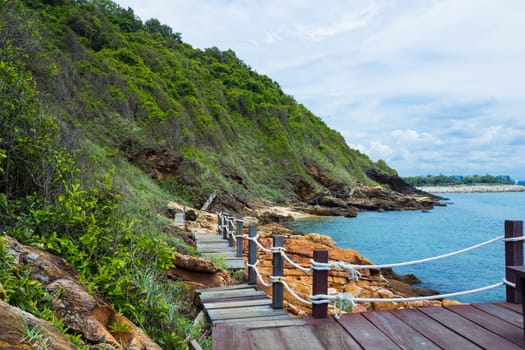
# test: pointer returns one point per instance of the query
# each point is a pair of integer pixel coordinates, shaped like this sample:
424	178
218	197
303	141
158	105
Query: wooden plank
491	322
254	311
226	337
213	245
468	329
436	332
209	243
230	294
365	333
219	254
235	304
218	245
207	235
270	322
225	314
515	307
216	300
330	334
301	338
501	312
265	318
235	264
224	288
211	240
402	334
265	339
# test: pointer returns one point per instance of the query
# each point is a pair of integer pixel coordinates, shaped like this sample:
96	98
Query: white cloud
413	138
378	150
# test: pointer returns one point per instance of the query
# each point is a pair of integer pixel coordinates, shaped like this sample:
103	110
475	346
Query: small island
460	183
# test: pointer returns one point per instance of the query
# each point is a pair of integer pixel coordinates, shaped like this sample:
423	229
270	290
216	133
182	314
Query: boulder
198	272
83	313
22	330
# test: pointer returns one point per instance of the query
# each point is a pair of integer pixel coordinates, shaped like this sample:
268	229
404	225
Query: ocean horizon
466	220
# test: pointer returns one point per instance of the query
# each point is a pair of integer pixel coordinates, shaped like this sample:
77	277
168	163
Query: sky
431	87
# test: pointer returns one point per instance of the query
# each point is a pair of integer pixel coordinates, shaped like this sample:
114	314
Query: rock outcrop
83	313
341	199
366	198
198	273
22	330
371	284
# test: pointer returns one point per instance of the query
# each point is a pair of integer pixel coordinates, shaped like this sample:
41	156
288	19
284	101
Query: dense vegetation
90	96
443	180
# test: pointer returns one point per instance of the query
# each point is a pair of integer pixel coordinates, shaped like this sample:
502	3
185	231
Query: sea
466	220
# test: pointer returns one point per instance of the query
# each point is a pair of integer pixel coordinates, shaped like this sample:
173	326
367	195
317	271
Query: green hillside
104	118
133	89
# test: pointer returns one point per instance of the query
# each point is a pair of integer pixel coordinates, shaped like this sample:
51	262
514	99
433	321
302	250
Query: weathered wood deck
242	304
477	326
213	246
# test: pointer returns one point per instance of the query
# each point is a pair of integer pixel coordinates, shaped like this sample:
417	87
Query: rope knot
279	250
277	279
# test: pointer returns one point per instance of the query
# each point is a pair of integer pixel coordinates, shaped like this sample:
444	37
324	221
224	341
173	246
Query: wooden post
224	225
277	270
519	274
219	222
240	240
252	255
231	239
513	257
320	284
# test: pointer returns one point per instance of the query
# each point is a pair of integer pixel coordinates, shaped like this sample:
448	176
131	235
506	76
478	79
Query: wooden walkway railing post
513	257
219	222
252	254
240	240
320	284
231	239
225	225
277	271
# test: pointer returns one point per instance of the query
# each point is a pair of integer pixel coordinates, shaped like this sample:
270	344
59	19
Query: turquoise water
468	219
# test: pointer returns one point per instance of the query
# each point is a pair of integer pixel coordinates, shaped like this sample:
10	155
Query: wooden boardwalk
213	246
478	326
242	304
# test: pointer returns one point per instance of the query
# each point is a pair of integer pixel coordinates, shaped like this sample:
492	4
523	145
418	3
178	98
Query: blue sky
429	86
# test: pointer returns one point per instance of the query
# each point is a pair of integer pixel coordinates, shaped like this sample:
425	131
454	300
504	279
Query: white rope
259	276
353	273
413	262
514	239
294	264
509	283
341	298
293	293
261	247
319	266
430	297
278	250
338	300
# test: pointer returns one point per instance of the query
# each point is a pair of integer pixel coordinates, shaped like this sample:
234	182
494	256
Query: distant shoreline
472	188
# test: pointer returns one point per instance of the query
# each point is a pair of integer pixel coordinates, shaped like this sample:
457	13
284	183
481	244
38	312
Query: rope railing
319	299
